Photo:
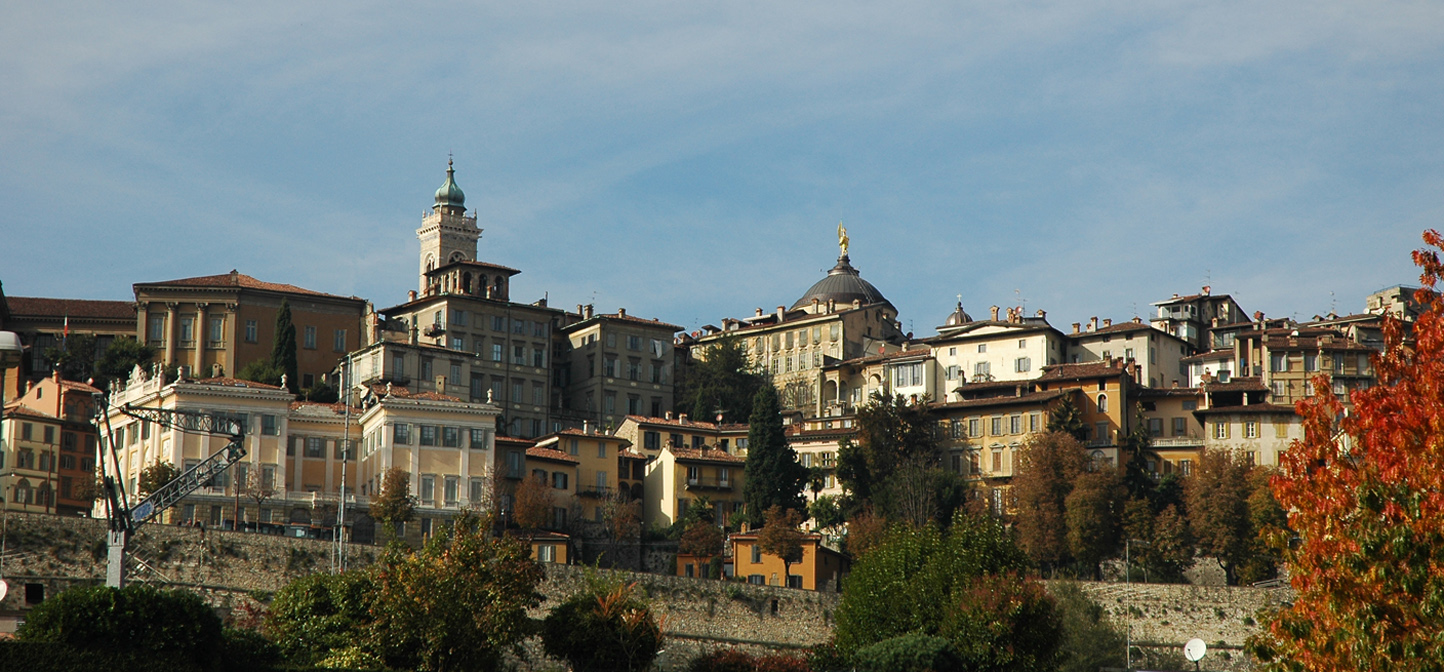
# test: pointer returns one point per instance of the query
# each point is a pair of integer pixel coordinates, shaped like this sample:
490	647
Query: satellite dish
1194	650
4	590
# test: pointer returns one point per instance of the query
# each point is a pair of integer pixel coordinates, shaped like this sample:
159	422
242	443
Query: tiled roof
1166	392
654	322
241	281
1251	408
813	434
17	409
1249	384
591	434
551	454
1030	398
1209	356
479	264
677	422
1191	297
706	455
1118	328
513	441
630	454
379	389
900	354
78	386
224	381
337	408
28	306
1082	370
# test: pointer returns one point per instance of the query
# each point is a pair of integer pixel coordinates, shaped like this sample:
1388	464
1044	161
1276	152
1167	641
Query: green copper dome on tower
449	194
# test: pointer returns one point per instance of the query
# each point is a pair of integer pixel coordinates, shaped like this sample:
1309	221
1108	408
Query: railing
600	492
1177	442
709	484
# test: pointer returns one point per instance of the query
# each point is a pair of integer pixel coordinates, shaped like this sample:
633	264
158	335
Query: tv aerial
1194	650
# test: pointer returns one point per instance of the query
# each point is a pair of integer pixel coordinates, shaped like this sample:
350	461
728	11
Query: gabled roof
239	281
1073	371
620	317
551	454
984	402
1248	384
29	306
696	424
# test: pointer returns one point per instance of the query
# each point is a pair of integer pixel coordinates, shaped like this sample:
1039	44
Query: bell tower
447	234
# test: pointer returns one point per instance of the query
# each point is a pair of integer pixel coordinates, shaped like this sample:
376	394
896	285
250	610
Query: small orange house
546	547
821	568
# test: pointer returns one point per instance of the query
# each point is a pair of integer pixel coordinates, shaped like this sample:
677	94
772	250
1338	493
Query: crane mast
125	519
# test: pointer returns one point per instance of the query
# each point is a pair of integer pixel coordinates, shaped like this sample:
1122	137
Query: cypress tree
774	476
283	353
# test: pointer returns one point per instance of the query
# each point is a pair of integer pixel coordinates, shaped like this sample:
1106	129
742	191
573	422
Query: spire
450	195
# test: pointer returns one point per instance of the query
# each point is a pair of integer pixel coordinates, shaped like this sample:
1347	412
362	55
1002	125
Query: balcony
436	329
1178	442
709	484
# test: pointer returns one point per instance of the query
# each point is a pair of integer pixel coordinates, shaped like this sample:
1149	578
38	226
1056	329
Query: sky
691	161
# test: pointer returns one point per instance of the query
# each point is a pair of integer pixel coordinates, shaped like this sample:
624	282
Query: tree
394	504
780	537
1217	495
916	577
155	476
1267	524
261	371
600	630
260	488
722	381
1068	419
913	652
892	431
1138	445
774	476
1005	622
120	358
1364	491
1047	466
324	618
826	512
1094	510
1168	550
703	540
459	603
865	532
171	628
620	515
74	357
321	392
1091	641
283	352
532	503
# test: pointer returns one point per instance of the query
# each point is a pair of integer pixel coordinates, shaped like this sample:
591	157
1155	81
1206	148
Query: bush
601	629
315	615
137	619
913	652
1090	639
826	658
732	660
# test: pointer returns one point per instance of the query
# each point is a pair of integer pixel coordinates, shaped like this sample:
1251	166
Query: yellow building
1106	389
604	468
821	568
617	365
48	448
214	325
1174	428
678	477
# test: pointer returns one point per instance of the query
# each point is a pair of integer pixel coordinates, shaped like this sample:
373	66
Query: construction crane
126	519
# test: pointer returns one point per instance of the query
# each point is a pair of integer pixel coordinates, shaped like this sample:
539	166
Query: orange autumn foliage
1364	491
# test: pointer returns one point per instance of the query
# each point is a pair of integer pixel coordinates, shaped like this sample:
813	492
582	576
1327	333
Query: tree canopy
774	476
1364	490
1047	466
283	351
605	627
394	504
722	381
895	463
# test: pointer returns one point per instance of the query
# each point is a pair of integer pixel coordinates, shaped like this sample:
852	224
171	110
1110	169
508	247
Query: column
203	334
170	334
227	356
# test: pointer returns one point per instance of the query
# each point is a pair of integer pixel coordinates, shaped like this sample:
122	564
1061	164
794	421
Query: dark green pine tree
774	476
1068	419
283	353
721	382
1139	445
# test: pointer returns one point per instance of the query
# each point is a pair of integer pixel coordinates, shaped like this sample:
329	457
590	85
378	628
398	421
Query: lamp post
1128	559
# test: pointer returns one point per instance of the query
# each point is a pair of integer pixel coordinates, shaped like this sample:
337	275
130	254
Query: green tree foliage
722	382
1218	515
323	617
165	625
913	652
782	538
774	476
321	392
1047	466
601	630
702	539
261	371
156	475
1267	523
1168	547
1068	419
1138	446
120	358
826	512
1094	511
394	504
916	576
459	603
75	357
1091	641
1004	623
895	463
283	352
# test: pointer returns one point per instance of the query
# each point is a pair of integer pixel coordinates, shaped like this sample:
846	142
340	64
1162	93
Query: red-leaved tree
1364	491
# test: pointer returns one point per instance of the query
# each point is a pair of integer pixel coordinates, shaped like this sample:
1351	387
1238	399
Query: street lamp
1128	559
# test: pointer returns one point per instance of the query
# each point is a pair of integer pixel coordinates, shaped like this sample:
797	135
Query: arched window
23	493
466	283
1102	403
480	284
456	256
430	263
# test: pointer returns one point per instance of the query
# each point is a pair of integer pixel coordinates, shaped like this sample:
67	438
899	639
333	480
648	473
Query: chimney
1258	316
621	312
587	312
832	305
994	311
1042	314
1207	290
682	418
1092	324
1137	320
781	313
1107	322
668	415
815	302
586	426
1077	326
579	310
1175	383
856	303
411	295
1175	295
759	312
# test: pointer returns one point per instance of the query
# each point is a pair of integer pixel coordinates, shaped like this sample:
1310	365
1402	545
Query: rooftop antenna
1333	303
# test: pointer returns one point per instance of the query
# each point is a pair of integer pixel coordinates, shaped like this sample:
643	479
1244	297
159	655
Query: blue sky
691	161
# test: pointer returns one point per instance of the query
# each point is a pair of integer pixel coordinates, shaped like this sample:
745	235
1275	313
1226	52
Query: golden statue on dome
842	239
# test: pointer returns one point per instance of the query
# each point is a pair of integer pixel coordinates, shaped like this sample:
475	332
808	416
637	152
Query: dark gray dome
843	285
958	317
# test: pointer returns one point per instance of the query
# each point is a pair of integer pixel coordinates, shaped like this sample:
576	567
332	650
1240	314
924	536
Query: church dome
843	285
449	194
958	317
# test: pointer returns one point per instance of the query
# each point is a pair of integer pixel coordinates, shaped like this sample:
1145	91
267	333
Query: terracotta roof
900	354
232	382
1191	297
806	434
379	389
28	306
1082	370
241	281
630	454
677	422
1166	392
1030	398
551	454
18	409
592	434
78	386
1119	328
1249	384
514	441
338	408
706	455
1209	356
1251	408
479	264
654	322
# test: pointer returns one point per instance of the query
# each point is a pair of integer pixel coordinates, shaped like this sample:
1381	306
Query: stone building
616	365
43	323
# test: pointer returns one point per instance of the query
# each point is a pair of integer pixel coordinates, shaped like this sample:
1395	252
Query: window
546	553
1250	429
1220	430
1278	362
1100	432
1190	404
458	342
1311	362
518	355
269	425
538	357
975	428
428	489
1023	364
609	402
611	340
449	490
652	441
1281	428
496	352
398	365
428	435
338	340
982	347
573	447
908	375
187	329
478	439
498	323
1102	403
997	426
1015	424
1155	426
1338	362
458	317
498	389
756	556
451	437
634	369
634	404
218	329
1180	426
315	447
982	370
401	434
157	328
478	490
559	480
310	338
426	368
634	342
609	367
1186	466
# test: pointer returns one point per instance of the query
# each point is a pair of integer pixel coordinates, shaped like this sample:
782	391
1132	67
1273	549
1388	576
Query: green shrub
602	629
914	652
317	614
137	619
724	660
